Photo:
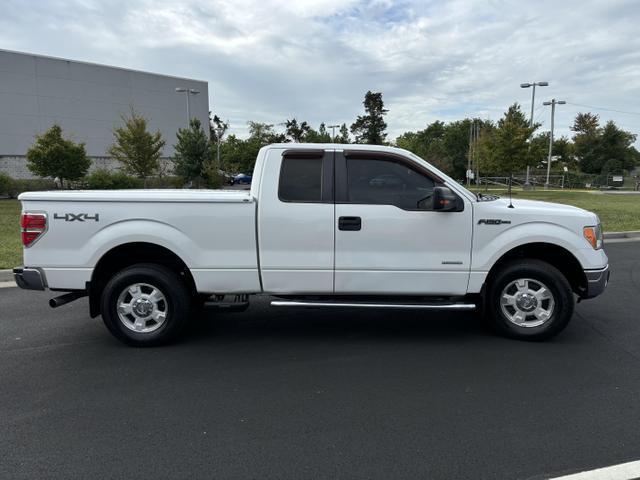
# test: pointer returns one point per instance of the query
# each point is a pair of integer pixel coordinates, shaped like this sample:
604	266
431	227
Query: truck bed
211	231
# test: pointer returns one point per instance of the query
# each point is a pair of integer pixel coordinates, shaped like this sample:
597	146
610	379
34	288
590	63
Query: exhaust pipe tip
66	298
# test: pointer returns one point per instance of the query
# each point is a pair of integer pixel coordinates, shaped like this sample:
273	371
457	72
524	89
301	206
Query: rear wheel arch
127	254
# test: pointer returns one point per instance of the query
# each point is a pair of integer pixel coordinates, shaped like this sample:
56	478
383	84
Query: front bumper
597	281
29	278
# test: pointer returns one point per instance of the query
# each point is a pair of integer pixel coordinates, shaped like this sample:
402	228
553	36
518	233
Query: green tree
371	127
296	130
217	128
53	156
135	148
562	149
265	134
506	148
193	150
343	135
444	145
603	150
238	155
319	136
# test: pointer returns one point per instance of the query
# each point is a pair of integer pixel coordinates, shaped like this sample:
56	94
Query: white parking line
7	284
623	471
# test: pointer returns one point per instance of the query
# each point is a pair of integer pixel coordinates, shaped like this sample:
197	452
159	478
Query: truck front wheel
529	299
145	305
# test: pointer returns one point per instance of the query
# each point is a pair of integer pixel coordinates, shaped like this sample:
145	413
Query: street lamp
187	92
219	131
553	104
333	131
533	101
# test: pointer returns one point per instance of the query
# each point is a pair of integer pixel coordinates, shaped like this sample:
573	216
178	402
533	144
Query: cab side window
300	180
387	182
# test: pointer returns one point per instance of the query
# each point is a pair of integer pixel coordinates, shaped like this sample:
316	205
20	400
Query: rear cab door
295	221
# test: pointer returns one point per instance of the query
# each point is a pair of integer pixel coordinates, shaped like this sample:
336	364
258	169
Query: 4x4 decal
73	217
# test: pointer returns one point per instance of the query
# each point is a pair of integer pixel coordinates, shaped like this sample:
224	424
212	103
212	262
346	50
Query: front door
388	238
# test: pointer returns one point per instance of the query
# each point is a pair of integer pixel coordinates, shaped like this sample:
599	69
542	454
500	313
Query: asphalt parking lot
321	394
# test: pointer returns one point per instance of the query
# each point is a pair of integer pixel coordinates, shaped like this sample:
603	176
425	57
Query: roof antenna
510	183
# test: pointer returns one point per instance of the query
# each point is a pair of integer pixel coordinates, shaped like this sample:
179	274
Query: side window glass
300	180
385	182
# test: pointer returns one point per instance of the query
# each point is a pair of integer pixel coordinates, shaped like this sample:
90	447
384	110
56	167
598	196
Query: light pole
187	92
533	101
219	132
333	131
553	104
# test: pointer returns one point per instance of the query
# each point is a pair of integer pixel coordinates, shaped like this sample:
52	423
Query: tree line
509	145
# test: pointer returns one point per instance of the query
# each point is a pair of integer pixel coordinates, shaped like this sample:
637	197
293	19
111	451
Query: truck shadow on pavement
263	322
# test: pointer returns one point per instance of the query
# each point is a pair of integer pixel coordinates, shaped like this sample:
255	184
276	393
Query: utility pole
469	154
553	104
187	92
527	185
475	151
333	131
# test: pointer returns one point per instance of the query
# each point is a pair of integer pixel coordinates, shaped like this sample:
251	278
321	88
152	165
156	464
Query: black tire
538	271
175	304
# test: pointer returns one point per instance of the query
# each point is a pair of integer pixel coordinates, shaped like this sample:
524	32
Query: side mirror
444	200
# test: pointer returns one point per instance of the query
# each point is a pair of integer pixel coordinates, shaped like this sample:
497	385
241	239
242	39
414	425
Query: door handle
350	224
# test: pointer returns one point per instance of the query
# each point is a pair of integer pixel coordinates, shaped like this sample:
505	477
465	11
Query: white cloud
271	59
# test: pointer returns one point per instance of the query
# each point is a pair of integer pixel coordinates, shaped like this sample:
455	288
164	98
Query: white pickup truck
323	226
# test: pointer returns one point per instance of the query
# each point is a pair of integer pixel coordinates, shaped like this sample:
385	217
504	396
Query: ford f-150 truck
323	225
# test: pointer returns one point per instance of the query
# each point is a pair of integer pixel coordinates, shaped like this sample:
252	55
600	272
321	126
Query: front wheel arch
549	253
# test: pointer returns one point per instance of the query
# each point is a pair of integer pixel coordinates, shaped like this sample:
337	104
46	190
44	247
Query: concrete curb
6	275
632	234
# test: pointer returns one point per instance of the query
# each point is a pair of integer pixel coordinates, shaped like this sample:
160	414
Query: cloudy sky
268	60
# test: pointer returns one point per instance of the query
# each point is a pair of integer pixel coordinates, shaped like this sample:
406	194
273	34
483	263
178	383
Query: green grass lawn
617	213
10	244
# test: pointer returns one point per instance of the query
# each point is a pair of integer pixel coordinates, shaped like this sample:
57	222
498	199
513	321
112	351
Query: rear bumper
597	281
29	278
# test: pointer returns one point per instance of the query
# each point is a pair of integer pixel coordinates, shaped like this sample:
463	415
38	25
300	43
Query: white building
87	100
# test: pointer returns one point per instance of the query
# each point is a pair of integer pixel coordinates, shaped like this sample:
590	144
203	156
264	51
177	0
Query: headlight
593	235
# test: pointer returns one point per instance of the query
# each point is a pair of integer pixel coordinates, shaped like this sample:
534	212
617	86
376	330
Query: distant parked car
242	179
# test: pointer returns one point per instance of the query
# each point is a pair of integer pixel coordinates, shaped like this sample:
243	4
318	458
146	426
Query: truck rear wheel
145	305
530	300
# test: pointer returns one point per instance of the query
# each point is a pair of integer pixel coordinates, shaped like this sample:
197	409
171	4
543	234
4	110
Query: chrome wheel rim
142	308
526	302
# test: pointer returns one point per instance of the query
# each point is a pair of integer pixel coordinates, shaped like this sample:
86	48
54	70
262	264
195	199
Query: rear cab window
306	177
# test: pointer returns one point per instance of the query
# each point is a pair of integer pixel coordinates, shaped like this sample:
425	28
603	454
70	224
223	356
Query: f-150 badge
76	217
492	221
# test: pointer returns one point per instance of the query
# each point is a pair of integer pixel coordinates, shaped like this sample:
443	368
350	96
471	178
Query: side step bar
334	304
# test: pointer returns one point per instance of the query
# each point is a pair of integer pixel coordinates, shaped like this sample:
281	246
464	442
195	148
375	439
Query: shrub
165	182
5	183
54	156
106	180
20	185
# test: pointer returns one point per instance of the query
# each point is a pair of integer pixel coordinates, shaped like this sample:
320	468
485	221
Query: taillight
33	227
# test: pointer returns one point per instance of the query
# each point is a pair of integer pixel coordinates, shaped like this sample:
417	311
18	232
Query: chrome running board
337	304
